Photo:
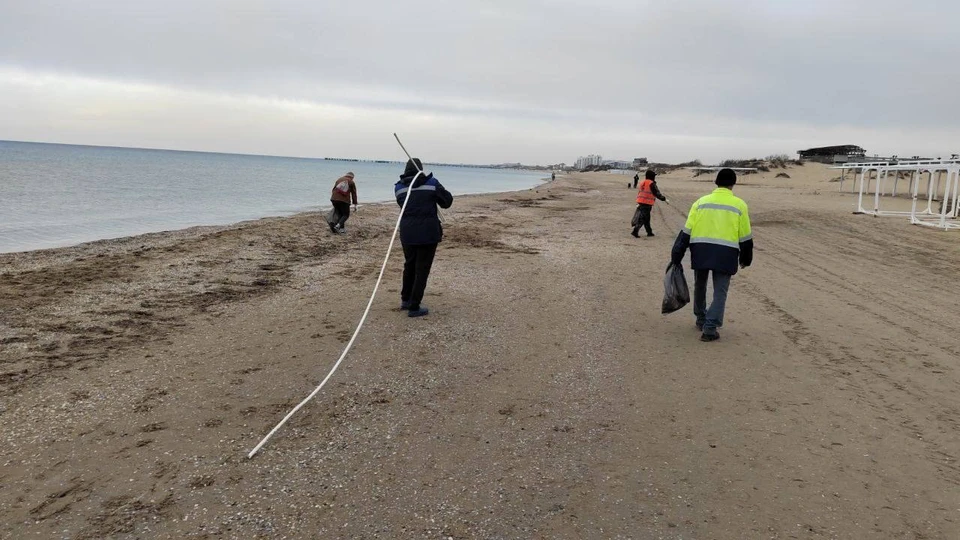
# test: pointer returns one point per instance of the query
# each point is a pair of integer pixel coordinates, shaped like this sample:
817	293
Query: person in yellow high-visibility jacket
719	237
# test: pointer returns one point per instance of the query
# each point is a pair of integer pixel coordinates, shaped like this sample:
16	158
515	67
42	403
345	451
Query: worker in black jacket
420	231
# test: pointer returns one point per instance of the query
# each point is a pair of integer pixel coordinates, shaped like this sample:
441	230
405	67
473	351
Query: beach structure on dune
940	178
833	154
697	171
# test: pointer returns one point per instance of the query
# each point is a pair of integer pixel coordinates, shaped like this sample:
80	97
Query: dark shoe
418	312
634	234
405	305
650	234
709	337
333	227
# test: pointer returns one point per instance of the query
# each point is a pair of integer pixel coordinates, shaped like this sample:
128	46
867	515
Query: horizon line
328	158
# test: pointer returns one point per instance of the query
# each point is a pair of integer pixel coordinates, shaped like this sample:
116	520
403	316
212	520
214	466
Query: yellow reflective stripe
714	206
401	191
715	241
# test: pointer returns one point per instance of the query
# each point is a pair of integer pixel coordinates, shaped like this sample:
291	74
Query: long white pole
863	178
359	326
876	198
945	203
956	191
916	190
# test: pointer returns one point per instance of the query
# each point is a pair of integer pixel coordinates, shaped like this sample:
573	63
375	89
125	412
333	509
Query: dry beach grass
544	396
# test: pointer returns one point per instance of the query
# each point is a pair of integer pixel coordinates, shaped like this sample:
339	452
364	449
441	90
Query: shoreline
544	395
321	209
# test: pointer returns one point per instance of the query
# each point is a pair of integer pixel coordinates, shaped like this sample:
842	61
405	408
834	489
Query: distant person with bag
646	197
719	237
420	231
636	178
343	190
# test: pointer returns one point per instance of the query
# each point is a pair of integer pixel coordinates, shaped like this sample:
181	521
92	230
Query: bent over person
343	189
719	237
646	197
420	231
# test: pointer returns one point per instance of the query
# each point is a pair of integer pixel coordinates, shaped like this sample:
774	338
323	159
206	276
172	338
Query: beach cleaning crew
719	237
343	190
420	231
646	197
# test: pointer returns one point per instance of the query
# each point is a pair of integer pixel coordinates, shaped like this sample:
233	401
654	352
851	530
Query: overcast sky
484	81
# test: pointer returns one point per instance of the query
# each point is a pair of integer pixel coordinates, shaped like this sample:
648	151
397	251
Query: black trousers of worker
341	213
644	219
417	261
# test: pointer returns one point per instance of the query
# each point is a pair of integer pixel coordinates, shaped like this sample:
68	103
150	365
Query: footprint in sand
156	426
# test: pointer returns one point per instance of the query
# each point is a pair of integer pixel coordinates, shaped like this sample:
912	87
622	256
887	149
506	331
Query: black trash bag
333	216
636	217
675	291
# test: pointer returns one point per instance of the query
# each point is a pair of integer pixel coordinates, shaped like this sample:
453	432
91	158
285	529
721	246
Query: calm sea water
54	195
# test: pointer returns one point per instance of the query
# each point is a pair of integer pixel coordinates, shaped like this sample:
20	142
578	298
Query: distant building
586	161
640	162
833	154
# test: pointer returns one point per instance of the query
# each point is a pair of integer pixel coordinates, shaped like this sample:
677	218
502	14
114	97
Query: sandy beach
545	396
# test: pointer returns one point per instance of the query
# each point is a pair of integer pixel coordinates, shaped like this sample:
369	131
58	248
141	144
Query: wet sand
544	396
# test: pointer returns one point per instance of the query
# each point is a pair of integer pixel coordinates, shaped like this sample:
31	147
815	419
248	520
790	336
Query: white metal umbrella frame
939	173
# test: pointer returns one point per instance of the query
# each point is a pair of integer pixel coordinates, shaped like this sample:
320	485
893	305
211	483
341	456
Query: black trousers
341	211
644	219
417	261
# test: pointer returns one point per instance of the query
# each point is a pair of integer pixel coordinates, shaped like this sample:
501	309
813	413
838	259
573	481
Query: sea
55	195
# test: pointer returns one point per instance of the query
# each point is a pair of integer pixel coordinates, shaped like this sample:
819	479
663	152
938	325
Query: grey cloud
862	64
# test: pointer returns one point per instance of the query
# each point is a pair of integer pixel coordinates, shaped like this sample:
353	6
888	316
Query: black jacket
656	191
420	224
711	256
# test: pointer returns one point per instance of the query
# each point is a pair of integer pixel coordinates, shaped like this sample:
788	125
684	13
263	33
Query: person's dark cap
726	178
651	174
413	167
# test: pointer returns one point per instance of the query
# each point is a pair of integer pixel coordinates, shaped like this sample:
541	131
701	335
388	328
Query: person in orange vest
648	194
